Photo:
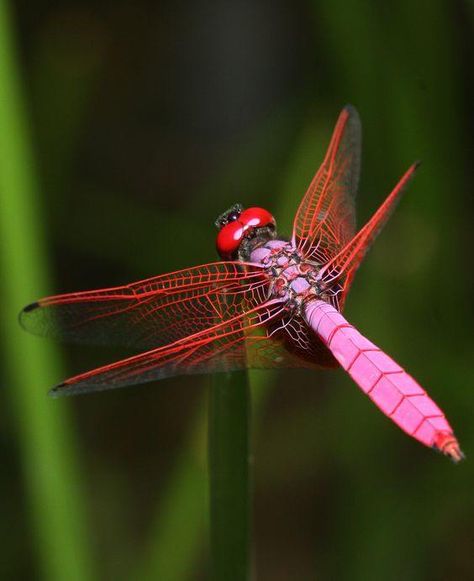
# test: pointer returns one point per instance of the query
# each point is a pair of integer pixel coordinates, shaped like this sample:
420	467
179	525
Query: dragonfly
270	302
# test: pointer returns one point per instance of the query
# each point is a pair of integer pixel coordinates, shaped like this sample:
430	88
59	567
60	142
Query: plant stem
230	499
51	475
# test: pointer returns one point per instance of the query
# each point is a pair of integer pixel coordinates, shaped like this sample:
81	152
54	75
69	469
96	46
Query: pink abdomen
389	386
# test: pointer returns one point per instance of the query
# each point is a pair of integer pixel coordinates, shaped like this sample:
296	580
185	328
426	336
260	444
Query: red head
237	224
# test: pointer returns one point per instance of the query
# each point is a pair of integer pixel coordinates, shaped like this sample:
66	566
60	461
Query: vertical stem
51	476
229	423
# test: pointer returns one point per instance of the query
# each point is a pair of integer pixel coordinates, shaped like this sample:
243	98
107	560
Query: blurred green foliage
146	120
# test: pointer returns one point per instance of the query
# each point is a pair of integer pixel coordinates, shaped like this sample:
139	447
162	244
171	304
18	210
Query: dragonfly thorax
293	278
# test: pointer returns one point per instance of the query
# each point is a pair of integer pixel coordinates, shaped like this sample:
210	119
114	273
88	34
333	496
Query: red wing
344	265
236	344
325	220
152	312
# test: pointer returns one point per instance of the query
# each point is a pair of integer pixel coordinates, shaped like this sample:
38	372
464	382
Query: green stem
44	428
230	503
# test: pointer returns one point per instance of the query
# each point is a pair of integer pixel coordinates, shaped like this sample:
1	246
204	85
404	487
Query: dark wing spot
57	390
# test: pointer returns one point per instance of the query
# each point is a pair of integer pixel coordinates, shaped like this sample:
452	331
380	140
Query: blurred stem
45	436
180	526
229	423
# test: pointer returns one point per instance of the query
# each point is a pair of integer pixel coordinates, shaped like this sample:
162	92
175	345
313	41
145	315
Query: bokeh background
125	129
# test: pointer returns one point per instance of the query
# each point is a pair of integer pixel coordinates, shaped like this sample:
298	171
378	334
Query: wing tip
23	315
351	112
76	386
409	174
349	108
59	391
30	307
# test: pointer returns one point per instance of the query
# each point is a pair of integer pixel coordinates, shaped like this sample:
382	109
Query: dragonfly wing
342	267
301	341
325	220
152	312
235	344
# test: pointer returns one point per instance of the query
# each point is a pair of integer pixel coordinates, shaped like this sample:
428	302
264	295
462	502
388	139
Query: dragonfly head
240	231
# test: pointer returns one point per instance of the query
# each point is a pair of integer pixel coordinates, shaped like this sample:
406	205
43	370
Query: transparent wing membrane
241	342
325	220
344	265
153	312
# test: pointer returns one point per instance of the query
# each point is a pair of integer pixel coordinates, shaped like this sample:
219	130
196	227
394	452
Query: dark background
146	121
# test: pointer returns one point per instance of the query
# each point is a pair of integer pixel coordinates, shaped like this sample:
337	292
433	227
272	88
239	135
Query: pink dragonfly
269	303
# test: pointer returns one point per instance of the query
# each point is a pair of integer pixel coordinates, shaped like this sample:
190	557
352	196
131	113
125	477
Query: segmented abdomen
389	386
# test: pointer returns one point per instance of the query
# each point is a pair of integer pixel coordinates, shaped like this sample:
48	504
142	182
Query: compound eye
257	218
229	239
